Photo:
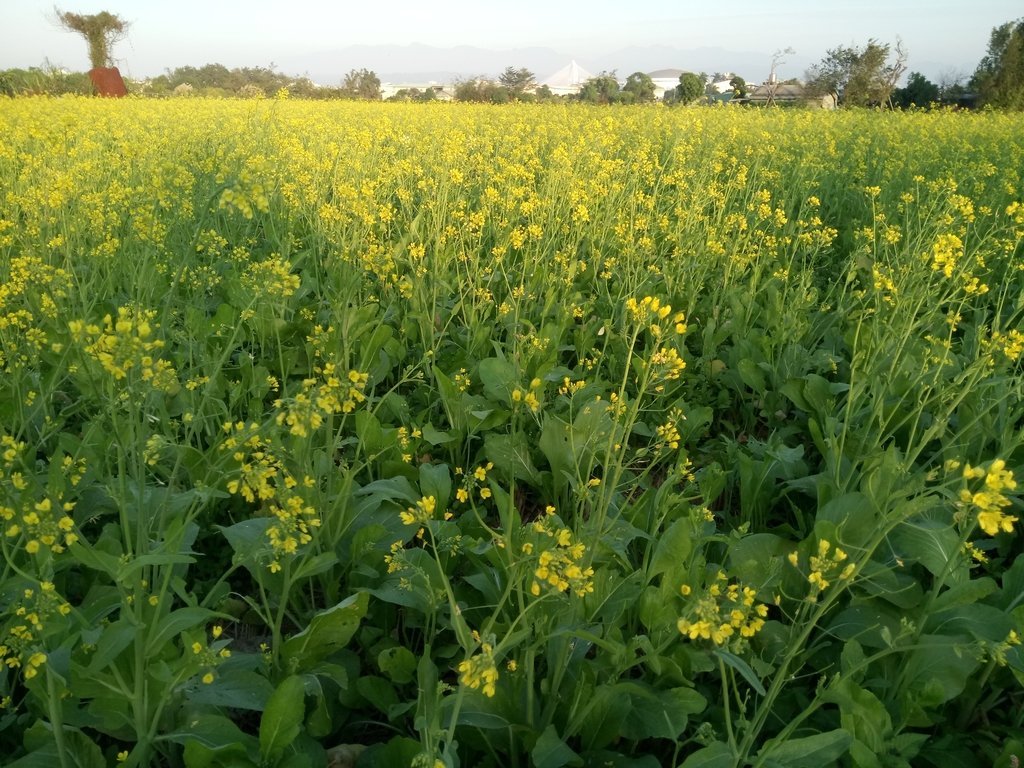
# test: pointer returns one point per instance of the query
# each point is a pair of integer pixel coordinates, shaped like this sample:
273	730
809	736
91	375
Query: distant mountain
419	63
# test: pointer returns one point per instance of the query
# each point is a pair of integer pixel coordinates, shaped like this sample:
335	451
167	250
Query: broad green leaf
809	751
234	688
551	752
436	481
398	663
328	631
174	623
673	549
512	454
659	714
716	755
282	719
499	379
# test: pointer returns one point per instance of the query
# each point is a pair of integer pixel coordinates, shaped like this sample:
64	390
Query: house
773	93
664	80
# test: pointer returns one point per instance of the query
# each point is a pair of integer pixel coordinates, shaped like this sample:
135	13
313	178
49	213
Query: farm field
449	435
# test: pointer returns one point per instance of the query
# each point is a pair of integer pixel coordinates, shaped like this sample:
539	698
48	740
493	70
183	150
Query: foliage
918	92
361	84
46	80
739	87
601	89
639	88
861	76
999	78
517	81
395	435
100	30
482	91
690	88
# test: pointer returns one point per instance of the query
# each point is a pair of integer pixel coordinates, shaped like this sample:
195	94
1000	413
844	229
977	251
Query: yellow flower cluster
209	655
291	528
650	310
1010	344
127	343
405	441
988	501
41	525
262	476
558	560
320	397
480	670
825	565
30	292
724	611
21	645
271	279
260	471
474	479
422	512
529	397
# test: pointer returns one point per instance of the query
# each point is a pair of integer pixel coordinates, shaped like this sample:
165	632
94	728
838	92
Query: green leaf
174	623
499	379
809	751
512	454
659	714
717	755
605	711
398	663
929	542
282	719
235	688
742	667
328	631
377	691
551	752
435	436
674	547
436	481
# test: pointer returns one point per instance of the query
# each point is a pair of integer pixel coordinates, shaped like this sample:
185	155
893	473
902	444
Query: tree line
867	75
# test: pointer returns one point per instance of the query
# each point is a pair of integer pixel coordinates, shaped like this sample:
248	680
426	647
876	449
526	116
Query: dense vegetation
545	435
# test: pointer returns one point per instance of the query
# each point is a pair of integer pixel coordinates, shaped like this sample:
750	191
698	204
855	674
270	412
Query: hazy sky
941	35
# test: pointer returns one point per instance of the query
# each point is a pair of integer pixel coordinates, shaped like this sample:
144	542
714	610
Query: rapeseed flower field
542	435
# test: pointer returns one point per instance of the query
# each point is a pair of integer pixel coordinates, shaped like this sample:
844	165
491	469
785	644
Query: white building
568	80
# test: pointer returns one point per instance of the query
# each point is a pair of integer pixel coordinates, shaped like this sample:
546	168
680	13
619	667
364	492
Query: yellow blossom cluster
529	397
208	655
558	558
321	396
722	613
21	646
473	480
127	343
262	477
650	311
825	565
41	525
987	500
480	670
422	512
271	279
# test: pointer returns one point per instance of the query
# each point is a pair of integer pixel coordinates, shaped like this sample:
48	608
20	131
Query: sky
943	37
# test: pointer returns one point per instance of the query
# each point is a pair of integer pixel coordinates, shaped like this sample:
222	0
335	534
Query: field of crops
442	435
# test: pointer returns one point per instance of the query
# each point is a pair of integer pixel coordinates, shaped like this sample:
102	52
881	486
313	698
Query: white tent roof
572	75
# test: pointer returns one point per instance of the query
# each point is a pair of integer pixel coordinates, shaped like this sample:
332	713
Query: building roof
662	74
572	75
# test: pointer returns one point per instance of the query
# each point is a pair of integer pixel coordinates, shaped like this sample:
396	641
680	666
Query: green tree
640	88
861	76
100	30
602	89
517	81
361	84
999	78
690	88
919	91
739	87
